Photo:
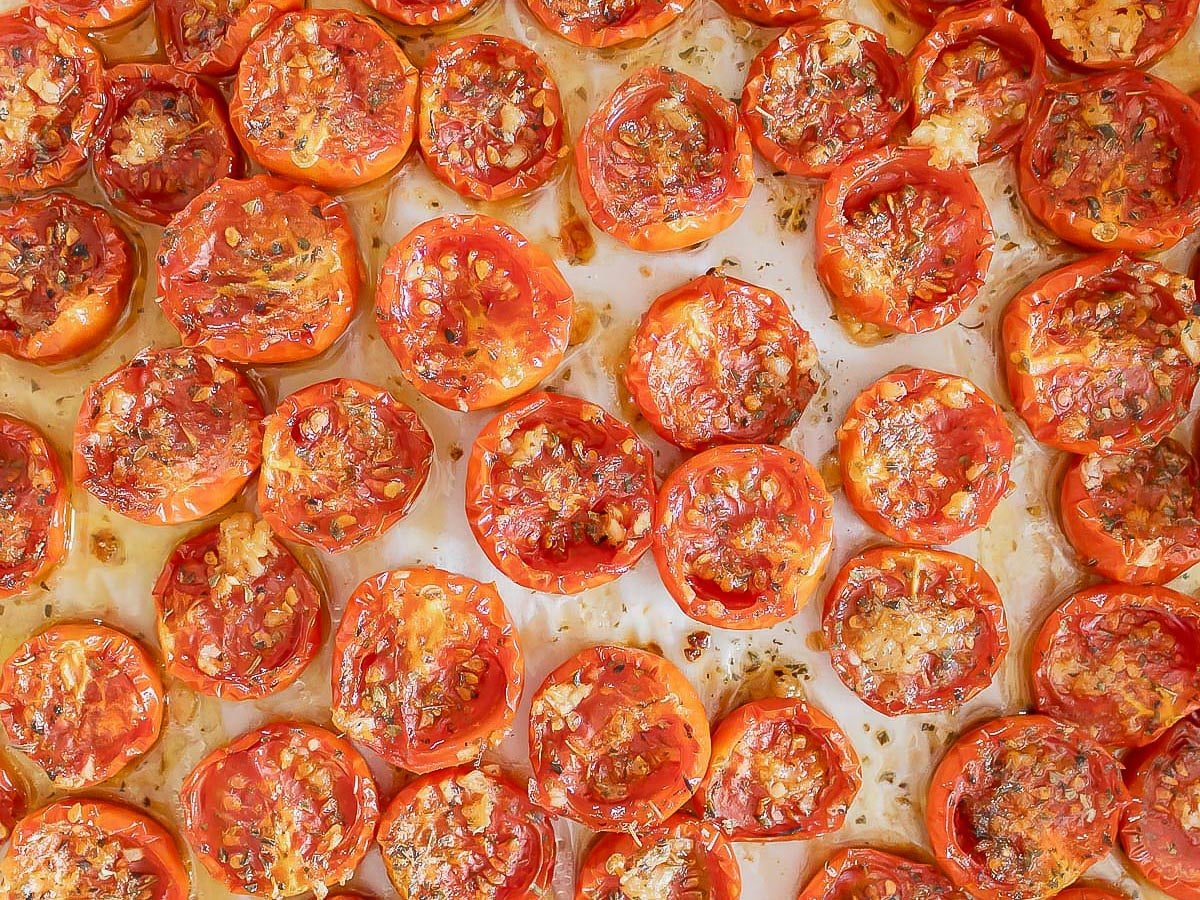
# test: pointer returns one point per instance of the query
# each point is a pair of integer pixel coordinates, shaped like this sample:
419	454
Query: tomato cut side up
858	872
209	38
1098	36
34	506
90	15
606	23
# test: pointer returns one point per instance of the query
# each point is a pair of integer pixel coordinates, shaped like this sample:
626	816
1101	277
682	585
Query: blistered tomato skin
858	872
90	15
606	23
34	506
210	38
1106	36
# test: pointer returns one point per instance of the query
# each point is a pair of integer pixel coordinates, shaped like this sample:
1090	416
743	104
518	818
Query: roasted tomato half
618	739
426	12
911	630
1109	162
208	37
467	833
169	437
34	506
857	873
13	800
238	617
1133	33
83	847
743	535
819	93
1102	355
775	13
283	810
81	701
925	456
1121	662
343	462
606	22
560	495
473	312
1134	516
326	96
721	361
1021	806
902	245
259	271
665	162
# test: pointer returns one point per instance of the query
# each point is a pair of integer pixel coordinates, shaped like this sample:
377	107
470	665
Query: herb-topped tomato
208	37
259	271
1021	806
169	437
34	506
326	96
470	834
775	13
1122	662
13	800
283	810
1102	355
618	739
238	617
665	162
81	701
719	361
343	462
820	93
858	873
1110	34
1109	162
426	12
604	23
560	495
89	15
911	630
902	245
473	312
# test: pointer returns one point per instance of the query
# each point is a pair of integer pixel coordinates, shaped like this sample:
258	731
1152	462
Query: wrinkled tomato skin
89	15
34	506
600	25
1158	34
774	13
426	12
860	872
214	44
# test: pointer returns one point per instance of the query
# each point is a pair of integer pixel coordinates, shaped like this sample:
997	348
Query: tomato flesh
605	23
1103	36
209	38
34	506
861	873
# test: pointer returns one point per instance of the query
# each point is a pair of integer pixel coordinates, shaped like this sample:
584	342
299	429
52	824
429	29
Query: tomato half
325	96
169	437
743	535
208	37
238	617
1021	806
1109	162
618	739
911	630
720	361
1087	35
1134	516
426	12
34	506
678	860
80	847
1121	662
13	800
470	834
1101	355
925	456
665	162
607	22
902	245
81	701
474	313
820	93
260	271
560	495
775	13
343	462
283	810
856	873
66	269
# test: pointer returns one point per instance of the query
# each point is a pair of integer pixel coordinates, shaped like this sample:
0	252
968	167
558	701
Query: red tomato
743	535
678	860
1089	892
820	93
325	96
343	461
1121	662
13	800
1134	516
1021	806
67	272
283	810
560	495
467	833
926	12
34	506
856	873
775	13
720	361
80	847
81	701
90	15
1108	162
618	739
1099	354
260	271
426	12
473	312
427	668
665	162
911	630
901	244
238	617
169	437
209	38
1135	33
607	22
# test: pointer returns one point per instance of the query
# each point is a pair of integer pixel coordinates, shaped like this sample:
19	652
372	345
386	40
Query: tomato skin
35	500
927	12
607	23
426	12
775	13
210	41
857	872
706	145
13	800
1090	892
90	15
1158	34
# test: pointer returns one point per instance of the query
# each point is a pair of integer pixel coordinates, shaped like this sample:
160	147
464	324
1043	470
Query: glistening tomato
34	506
13	800
90	15
775	13
856	873
605	23
1133	33
209	38
426	12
